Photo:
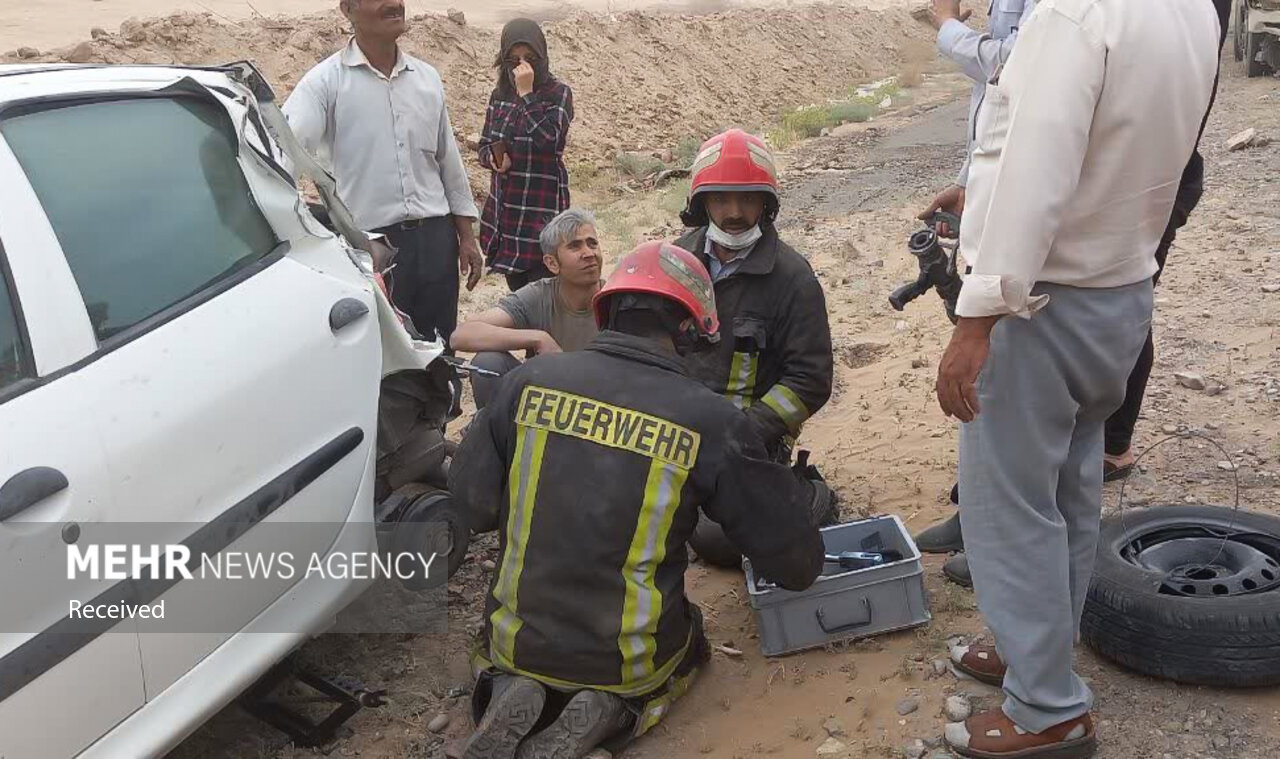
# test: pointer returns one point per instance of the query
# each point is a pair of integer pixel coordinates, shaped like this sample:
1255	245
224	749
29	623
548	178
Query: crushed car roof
22	81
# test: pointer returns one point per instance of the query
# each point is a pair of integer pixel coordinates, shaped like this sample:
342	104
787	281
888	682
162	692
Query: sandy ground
850	199
53	23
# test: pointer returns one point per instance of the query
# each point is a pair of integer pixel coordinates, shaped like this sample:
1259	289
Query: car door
241	369
63	682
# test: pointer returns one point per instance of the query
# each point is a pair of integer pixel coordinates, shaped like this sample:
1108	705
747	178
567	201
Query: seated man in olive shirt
547	316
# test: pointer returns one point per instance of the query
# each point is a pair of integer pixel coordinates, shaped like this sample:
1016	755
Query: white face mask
739	241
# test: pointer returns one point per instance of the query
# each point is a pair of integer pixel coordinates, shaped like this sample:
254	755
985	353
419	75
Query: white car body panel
179	425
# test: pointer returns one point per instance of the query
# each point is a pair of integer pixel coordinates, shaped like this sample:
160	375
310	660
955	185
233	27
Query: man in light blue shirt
980	55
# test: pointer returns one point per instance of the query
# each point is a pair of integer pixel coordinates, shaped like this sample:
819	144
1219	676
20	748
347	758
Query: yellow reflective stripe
642	604
741	386
787	405
631	690
526	467
656	709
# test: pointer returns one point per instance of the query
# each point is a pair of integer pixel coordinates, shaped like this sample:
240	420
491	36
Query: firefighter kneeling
593	466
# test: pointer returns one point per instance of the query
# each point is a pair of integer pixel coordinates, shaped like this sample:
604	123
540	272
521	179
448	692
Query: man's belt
403	226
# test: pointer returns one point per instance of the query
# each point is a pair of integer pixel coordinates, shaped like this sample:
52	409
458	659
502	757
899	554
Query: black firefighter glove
824	504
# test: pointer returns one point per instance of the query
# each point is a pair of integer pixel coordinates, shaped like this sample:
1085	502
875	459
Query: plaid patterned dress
536	188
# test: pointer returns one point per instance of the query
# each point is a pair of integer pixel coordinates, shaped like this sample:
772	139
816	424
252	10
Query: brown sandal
981	662
992	735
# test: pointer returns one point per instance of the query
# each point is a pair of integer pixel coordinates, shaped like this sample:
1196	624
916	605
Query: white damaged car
182	344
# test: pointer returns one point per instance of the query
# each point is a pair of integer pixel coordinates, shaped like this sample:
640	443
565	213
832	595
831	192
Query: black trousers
424	283
1119	429
520	279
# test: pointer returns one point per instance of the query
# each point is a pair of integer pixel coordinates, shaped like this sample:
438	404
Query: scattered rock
457	17
1214	388
900	325
133	31
1190	381
1212	426
941	755
834	728
1170	429
600	753
914	749
958	709
907	706
488	565
82	53
1271	288
1243	140
729	651
940	667
28	53
826	132
1226	466
301	40
919	363
438	724
98	33
832	747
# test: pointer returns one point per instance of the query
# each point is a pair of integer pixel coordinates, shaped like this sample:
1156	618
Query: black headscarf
522	31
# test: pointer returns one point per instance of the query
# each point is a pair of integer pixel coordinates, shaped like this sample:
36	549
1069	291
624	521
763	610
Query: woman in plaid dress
523	143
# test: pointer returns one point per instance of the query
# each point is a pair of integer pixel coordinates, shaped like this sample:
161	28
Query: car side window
146	198
13	356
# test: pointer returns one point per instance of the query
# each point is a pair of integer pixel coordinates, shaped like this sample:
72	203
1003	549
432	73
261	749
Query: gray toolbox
845	604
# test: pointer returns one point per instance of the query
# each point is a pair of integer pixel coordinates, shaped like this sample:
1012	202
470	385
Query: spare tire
1172	599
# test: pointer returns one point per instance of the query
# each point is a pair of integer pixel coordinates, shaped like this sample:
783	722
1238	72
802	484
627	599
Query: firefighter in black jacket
593	466
774	361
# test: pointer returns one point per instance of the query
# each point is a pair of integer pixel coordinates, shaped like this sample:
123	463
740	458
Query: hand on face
523	75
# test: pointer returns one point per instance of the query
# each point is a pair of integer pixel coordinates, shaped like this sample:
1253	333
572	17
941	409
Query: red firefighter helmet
733	161
662	269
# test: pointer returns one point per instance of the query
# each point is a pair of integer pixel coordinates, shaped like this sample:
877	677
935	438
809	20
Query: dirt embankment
642	80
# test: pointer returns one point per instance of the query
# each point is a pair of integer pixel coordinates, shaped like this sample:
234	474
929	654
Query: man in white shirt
379	116
1078	152
980	55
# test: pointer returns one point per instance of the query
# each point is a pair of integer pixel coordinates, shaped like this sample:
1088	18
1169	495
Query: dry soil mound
643	81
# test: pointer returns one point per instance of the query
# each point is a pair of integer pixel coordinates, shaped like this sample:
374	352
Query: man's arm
1052	98
979	55
307	111
453	172
462	206
496	330
803	337
764	513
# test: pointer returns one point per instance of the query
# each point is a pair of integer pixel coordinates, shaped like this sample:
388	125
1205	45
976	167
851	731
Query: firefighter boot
590	718
513	711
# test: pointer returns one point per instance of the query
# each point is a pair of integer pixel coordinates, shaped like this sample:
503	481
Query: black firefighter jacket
774	357
593	465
